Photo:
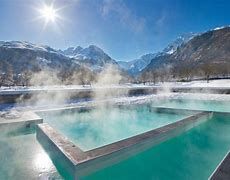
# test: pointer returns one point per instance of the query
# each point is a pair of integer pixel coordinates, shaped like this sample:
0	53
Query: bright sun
48	13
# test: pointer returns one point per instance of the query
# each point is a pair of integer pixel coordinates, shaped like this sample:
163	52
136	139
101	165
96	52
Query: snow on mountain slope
92	56
172	47
71	51
25	55
135	66
26	45
208	50
20	56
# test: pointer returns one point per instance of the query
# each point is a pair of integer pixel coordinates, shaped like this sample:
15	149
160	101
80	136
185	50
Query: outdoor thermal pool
92	128
192	154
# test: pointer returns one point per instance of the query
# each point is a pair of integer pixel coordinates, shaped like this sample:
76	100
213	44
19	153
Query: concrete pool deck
23	158
77	162
19	120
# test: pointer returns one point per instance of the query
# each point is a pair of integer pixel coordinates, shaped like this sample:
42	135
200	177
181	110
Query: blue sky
125	29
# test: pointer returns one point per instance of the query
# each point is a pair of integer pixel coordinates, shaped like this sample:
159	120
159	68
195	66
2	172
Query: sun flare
49	13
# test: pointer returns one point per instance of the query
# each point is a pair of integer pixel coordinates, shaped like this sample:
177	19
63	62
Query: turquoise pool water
97	127
22	157
208	105
191	155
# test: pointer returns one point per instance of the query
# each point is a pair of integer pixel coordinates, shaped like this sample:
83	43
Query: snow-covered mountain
135	66
92	56
26	45
24	56
19	60
172	47
20	56
71	51
208	50
20	53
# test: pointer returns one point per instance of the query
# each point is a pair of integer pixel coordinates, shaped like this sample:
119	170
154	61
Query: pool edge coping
79	158
218	172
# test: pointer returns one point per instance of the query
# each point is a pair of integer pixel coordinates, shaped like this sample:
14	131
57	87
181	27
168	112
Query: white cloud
124	14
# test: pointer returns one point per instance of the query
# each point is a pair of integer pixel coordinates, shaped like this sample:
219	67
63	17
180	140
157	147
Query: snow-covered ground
212	83
223	83
124	99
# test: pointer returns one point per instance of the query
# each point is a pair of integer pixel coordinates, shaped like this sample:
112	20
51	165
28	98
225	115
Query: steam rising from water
110	121
107	84
99	126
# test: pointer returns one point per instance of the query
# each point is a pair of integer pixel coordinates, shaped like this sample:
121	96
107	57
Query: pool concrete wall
222	172
77	163
53	142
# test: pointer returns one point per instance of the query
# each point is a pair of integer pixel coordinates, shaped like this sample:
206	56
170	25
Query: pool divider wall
162	109
76	162
223	169
86	107
58	148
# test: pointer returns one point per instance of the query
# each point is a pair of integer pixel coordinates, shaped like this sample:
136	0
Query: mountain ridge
134	67
187	52
206	53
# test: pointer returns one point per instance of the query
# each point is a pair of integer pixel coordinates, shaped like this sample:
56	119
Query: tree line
186	72
84	76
